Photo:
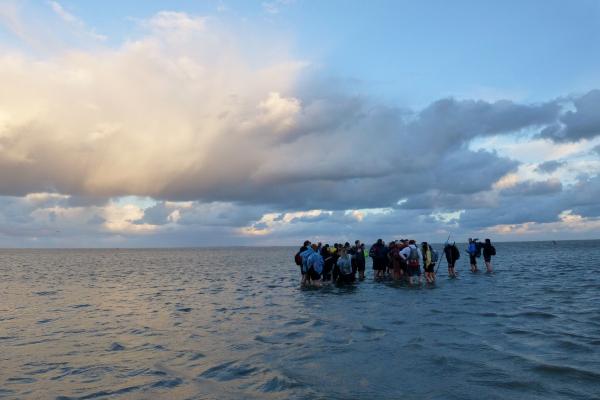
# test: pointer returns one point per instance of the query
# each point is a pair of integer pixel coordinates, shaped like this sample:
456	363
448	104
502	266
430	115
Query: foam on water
233	323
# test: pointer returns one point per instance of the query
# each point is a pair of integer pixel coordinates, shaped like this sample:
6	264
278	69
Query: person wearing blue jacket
305	256
472	251
314	266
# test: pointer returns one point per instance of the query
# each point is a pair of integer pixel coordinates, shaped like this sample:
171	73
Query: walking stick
447	241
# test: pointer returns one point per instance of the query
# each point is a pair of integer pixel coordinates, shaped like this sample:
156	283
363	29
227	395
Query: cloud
533	188
241	143
175	21
74	21
222	129
275	6
583	122
548	167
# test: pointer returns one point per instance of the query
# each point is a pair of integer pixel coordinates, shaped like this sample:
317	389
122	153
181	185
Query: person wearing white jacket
413	256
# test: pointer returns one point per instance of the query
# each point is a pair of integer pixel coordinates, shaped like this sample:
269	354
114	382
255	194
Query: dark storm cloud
581	123
451	122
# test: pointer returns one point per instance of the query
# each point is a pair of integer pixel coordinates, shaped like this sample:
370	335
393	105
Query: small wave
229	371
46	293
368	328
297	321
533	314
168	383
116	347
488	314
102	393
516	331
568	371
521	386
264	339
573	346
23	380
279	384
196	356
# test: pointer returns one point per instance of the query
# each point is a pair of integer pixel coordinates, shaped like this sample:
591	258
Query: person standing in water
362	265
344	264
299	260
359	259
327	262
395	261
412	255
428	263
452	254
488	252
472	250
314	266
378	253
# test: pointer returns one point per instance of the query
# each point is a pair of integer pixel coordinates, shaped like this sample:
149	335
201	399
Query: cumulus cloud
186	117
247	145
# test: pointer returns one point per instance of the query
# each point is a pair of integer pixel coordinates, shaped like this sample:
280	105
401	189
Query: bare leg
488	265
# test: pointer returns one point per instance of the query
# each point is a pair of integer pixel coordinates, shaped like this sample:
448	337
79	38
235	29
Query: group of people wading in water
401	260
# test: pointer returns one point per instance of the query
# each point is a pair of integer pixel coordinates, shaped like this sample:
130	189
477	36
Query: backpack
413	257
434	256
493	251
455	253
298	259
345	265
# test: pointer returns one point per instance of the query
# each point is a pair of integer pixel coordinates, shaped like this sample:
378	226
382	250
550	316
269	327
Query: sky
179	123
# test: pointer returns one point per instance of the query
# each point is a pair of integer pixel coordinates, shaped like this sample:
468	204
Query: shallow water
233	323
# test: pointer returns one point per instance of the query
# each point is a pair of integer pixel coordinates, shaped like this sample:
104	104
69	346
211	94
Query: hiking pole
444	253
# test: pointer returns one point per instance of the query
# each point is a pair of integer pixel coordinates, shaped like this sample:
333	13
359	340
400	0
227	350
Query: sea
234	323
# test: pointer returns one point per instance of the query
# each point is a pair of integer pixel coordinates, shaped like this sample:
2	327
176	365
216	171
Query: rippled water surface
233	323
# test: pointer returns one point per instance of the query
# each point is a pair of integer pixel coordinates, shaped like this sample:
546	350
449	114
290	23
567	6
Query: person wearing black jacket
452	254
328	262
378	253
488	252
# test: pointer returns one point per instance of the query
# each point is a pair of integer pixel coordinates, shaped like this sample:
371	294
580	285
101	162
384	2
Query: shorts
313	275
414	270
378	265
487	259
430	268
473	260
360	265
